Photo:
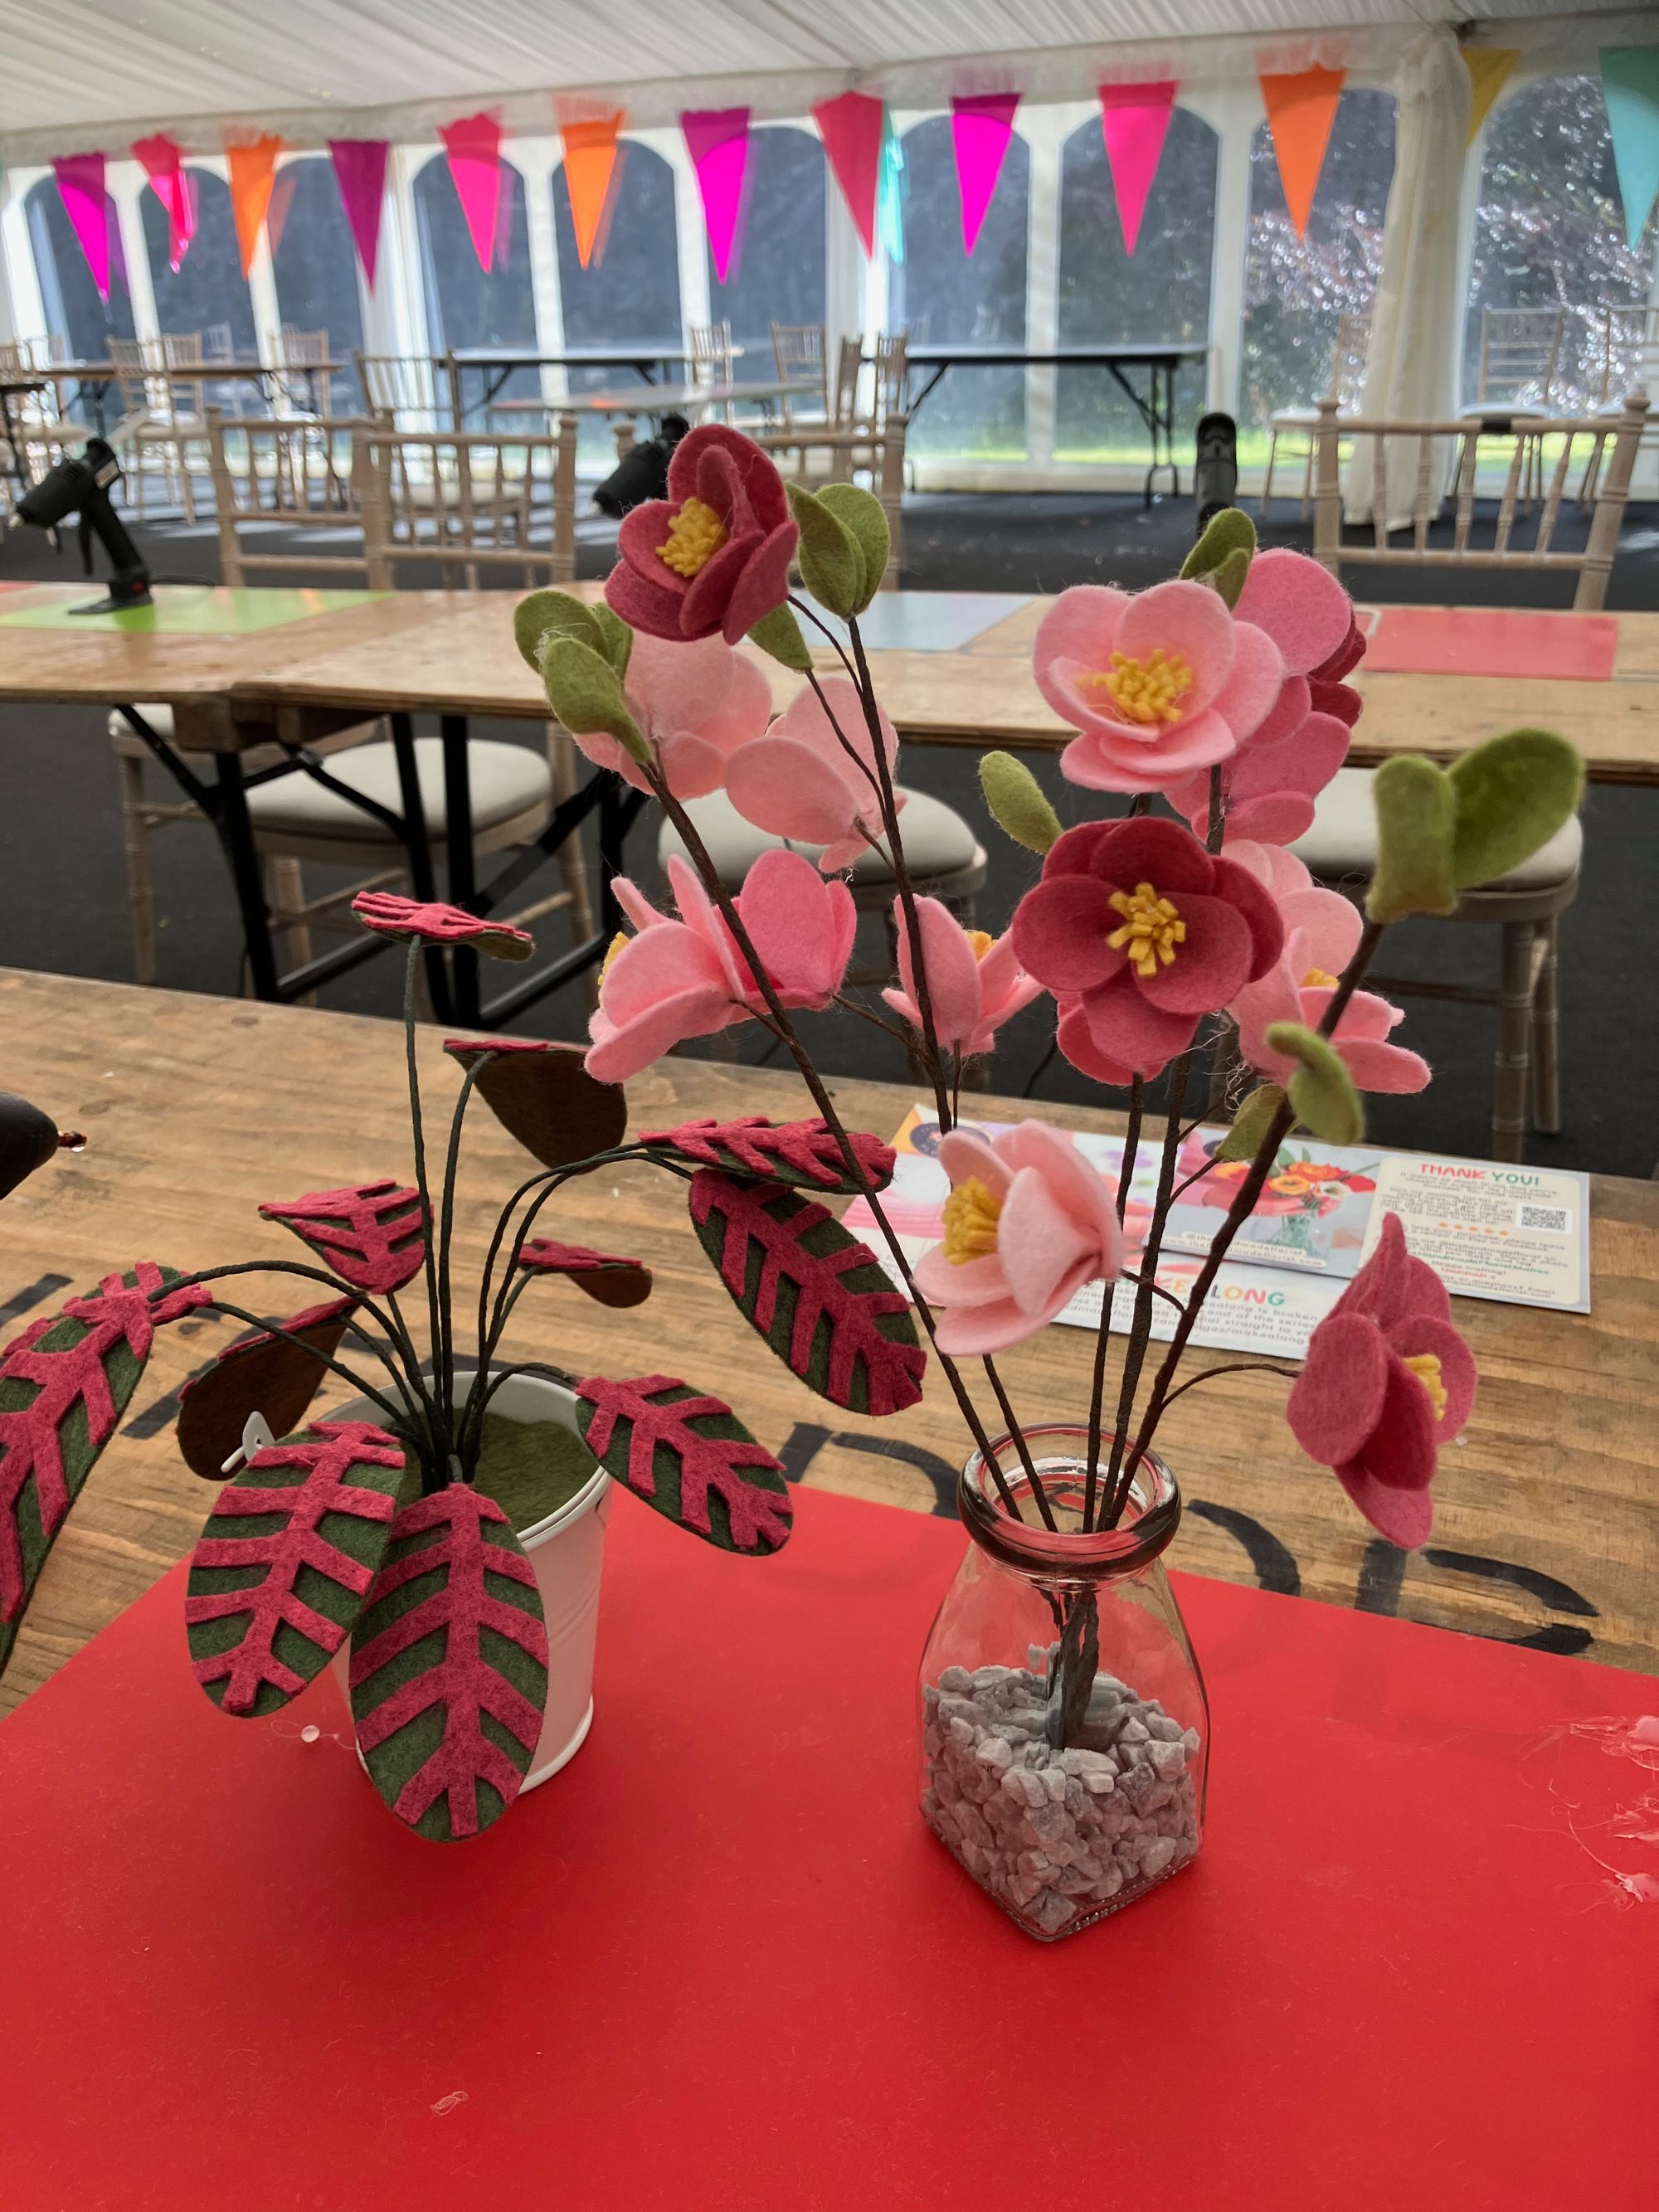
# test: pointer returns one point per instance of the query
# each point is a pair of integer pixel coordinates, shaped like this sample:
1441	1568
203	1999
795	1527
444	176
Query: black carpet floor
63	904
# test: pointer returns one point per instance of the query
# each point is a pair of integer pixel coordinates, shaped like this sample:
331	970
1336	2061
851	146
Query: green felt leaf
1217	556
1321	1090
543	615
779	635
615	638
831	564
689	1457
866	519
1251	1124
284	1562
1017	803
1416	818
1512	794
64	1384
585	693
819	1297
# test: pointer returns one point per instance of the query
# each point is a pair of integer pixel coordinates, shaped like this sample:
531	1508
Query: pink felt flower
1387	1381
1331	923
1269	785
1296	989
432	922
715	555
974	982
1028	1223
686	978
1147	932
1156	683
696	702
798	781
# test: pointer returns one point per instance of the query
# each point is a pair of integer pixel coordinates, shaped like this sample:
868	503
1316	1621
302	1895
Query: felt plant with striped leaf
374	1532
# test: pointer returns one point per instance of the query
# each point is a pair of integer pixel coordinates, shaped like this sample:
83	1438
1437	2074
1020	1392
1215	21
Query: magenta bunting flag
80	186
1135	118
360	172
982	125
854	128
163	165
717	139
474	147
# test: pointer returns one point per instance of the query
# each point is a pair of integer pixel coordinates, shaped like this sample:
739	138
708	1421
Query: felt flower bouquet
1064	1723
391	1530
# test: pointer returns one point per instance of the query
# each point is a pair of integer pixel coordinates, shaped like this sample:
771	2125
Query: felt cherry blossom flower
1331	923
797	779
974	981
434	923
1146	931
1296	989
715	555
684	977
1387	1381
696	703
1156	683
1028	1223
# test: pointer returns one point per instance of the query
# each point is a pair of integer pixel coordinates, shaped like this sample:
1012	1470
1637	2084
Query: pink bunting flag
717	139
853	128
1134	119
80	186
360	172
474	147
163	164
982	125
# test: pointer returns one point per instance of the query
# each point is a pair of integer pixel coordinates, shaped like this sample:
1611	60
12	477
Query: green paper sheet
189	611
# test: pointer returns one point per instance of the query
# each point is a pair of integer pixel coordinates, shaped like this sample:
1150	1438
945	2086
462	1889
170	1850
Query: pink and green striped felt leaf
283	1566
820	1298
607	1277
64	1383
261	1373
449	1666
372	1235
804	1154
689	1457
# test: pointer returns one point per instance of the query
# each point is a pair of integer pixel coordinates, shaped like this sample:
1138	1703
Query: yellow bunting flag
1489	70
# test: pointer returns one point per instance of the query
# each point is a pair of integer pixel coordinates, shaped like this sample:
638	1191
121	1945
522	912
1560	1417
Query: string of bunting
865	155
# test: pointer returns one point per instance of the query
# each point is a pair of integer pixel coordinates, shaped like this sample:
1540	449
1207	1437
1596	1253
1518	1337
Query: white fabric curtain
1414	318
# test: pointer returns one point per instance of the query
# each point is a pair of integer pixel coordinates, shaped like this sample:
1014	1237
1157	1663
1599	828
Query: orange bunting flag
252	169
591	173
1301	110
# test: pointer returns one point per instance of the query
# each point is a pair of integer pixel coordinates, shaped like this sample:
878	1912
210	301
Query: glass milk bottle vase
1065	1731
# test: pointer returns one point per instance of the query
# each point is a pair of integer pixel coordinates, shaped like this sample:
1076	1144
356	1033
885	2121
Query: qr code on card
1544	1217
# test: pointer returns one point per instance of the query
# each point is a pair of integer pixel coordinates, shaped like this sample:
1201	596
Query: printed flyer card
1515	1234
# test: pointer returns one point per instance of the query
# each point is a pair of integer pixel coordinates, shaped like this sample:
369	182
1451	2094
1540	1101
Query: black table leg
236	835
463	866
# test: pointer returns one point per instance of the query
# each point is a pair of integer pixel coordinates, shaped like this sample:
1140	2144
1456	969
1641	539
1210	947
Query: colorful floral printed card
1519	1235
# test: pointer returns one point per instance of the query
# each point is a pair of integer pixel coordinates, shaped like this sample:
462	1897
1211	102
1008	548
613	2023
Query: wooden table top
453	651
1547	1511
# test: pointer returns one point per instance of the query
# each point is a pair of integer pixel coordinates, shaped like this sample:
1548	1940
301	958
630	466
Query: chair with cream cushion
1524	906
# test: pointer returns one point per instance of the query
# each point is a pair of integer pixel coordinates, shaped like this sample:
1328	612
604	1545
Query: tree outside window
74	310
1109	297
1296	289
1549	232
943	296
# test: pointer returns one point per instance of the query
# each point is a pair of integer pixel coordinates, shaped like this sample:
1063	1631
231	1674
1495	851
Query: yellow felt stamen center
981	941
695	537
970	1217
1318	979
1149	690
611	951
1152	928
1425	1366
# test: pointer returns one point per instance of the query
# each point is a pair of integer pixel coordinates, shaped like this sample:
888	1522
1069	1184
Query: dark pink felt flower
715	555
1388	1380
1146	931
434	923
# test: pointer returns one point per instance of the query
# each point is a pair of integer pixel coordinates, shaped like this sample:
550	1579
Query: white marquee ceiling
89	73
